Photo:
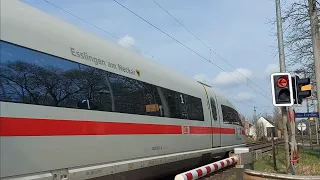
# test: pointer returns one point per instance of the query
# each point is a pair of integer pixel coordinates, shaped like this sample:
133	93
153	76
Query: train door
215	123
231	126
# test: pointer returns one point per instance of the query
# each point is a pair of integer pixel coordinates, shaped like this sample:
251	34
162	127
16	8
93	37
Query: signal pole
282	69
314	23
316	122
309	124
255	113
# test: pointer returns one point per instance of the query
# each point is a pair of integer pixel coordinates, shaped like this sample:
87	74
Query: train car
75	106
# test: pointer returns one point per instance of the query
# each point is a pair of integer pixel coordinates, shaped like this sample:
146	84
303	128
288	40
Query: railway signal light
282	91
302	89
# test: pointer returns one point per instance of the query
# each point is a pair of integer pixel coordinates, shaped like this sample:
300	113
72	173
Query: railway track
223	174
227	172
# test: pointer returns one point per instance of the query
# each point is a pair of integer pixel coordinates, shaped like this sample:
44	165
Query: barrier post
246	160
273	150
293	144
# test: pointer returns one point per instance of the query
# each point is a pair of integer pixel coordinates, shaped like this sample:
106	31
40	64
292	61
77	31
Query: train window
194	106
213	108
31	77
173	101
179	105
230	116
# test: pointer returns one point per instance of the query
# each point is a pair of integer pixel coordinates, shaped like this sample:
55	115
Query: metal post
301	134
255	113
314	22
309	124
243	165
282	69
277	145
316	121
273	150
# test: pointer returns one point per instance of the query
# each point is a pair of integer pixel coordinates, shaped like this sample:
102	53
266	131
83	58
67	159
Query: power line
241	102
139	48
264	111
187	47
182	25
206	44
237	95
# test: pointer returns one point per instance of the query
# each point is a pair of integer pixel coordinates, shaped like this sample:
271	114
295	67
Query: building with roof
246	126
262	128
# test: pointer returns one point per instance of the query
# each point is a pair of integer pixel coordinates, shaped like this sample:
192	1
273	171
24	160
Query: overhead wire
211	50
210	47
140	49
187	47
264	111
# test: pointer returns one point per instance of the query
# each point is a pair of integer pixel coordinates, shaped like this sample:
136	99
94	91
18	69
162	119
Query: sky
236	37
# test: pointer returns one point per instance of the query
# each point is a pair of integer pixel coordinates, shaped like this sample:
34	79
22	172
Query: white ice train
78	106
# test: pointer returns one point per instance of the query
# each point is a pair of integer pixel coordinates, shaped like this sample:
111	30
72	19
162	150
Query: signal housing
299	93
282	90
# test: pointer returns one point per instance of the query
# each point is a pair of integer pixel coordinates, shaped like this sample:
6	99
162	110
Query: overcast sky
237	32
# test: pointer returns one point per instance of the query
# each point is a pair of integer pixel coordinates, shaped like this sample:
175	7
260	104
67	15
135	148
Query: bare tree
242	118
277	118
297	37
259	130
269	117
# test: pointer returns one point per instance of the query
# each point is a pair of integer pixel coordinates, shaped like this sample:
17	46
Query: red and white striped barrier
294	147
207	169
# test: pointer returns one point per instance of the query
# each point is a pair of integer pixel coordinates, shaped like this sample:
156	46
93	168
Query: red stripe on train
211	130
48	127
10	126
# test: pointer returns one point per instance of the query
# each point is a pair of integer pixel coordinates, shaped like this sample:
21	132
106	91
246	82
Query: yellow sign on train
152	107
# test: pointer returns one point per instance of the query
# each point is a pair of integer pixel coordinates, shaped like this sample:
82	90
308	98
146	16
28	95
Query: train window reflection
230	116
213	108
32	77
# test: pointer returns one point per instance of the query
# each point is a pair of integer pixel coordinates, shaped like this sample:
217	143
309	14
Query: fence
244	168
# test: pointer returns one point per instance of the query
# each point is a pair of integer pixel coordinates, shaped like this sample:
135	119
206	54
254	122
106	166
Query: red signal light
283	82
282	90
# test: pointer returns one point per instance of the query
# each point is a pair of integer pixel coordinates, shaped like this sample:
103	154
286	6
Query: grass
233	177
309	163
249	140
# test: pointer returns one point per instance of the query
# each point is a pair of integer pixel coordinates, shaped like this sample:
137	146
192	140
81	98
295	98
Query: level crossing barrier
293	143
207	169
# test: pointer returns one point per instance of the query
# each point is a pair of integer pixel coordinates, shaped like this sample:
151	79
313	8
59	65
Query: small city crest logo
138	72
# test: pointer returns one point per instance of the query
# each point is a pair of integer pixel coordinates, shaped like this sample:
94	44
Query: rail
306	138
256	175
